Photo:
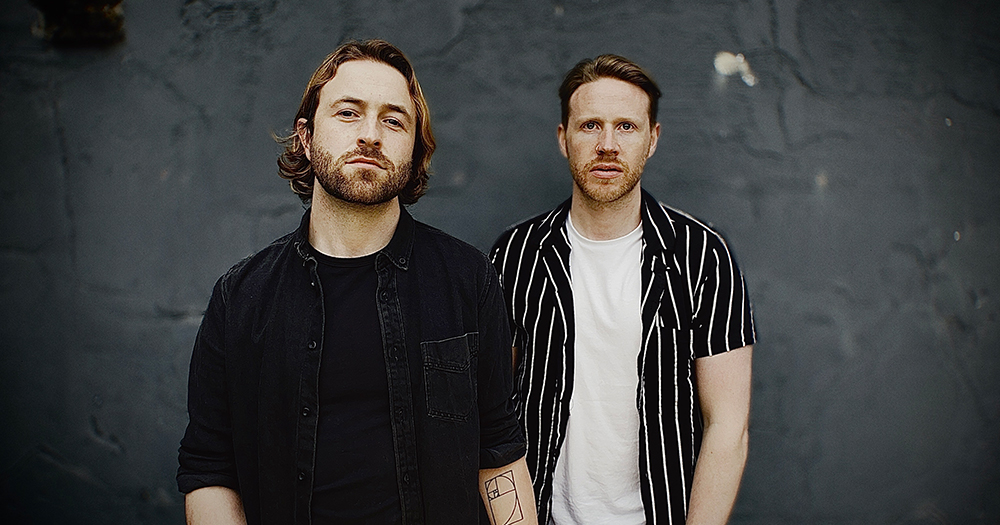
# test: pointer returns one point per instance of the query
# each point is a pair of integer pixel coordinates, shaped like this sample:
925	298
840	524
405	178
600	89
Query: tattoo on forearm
505	507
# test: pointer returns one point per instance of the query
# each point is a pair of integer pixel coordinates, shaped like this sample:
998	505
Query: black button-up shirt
253	392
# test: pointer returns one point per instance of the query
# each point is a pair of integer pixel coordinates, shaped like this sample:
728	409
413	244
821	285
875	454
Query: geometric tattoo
504	505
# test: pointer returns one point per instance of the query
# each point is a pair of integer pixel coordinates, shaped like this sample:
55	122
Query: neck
602	221
344	229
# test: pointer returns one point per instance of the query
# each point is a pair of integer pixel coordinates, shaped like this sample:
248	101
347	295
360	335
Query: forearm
507	494
214	505
717	475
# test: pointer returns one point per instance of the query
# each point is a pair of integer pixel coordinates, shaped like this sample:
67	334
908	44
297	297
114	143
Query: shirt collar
657	227
399	249
553	227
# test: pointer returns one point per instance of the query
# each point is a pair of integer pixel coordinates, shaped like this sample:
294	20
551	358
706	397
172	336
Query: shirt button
385	296
313	284
312	345
305	411
406	478
402	260
302	475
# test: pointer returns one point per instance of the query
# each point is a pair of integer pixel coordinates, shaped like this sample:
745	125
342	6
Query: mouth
366	162
606	170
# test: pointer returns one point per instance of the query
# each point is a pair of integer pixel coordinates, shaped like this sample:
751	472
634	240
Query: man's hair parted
608	66
293	164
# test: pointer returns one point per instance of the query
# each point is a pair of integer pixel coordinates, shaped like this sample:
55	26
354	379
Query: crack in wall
956	328
153	75
64	162
107	440
52	457
462	14
182	315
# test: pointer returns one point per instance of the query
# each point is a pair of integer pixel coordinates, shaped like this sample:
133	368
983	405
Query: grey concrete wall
857	182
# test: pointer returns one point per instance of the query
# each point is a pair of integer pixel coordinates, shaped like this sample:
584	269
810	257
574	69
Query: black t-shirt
355	480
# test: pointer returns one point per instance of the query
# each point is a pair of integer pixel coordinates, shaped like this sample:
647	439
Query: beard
365	185
605	191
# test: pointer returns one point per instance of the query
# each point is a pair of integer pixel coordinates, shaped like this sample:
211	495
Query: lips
366	161
606	170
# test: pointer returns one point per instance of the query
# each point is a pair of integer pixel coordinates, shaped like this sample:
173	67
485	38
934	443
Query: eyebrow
348	100
391	107
615	121
398	109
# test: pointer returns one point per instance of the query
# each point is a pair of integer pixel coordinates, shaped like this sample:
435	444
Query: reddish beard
605	190
364	185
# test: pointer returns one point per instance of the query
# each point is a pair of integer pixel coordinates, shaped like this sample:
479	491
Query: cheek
579	149
402	149
331	139
637	147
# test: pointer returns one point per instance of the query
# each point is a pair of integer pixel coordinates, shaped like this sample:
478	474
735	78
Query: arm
723	383
207	473
507	494
506	491
214	505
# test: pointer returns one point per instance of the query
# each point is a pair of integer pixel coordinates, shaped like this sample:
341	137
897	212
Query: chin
607	192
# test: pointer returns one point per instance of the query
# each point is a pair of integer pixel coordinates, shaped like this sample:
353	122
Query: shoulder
444	262
684	226
429	239
257	267
530	231
695	240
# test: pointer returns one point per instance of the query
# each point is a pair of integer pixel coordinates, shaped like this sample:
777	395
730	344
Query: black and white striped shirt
694	304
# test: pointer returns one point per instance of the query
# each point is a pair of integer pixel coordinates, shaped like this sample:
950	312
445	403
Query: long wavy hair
609	66
293	164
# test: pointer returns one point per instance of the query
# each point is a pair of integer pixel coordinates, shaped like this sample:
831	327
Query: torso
355	480
597	475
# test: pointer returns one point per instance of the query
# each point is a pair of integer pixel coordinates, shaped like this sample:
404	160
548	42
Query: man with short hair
631	326
357	369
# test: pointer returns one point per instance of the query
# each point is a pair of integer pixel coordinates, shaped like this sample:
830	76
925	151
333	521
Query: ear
654	138
302	130
561	137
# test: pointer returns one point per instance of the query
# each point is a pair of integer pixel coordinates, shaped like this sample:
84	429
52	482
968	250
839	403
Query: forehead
610	98
370	82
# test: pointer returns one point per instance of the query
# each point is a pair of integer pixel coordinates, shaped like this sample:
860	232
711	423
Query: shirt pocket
449	383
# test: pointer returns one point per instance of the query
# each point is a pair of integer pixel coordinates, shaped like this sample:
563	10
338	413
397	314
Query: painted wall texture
857	181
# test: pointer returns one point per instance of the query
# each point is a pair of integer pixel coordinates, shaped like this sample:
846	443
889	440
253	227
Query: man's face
607	139
361	146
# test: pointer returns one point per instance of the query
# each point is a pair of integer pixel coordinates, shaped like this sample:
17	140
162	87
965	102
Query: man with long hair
356	370
631	327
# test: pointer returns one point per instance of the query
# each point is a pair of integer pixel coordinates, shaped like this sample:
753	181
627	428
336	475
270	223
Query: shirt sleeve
723	319
498	257
501	441
206	455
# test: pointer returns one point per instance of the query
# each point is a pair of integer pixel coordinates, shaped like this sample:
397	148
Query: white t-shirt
597	474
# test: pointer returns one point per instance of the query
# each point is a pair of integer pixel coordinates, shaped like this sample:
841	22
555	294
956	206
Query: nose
607	143
370	134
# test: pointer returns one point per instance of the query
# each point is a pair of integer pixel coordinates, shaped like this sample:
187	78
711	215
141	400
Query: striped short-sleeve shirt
694	304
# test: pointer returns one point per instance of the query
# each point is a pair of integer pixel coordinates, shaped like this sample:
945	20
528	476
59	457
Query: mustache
605	158
369	152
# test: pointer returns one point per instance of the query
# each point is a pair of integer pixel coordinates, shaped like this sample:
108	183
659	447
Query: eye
627	126
347	113
394	122
589	126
